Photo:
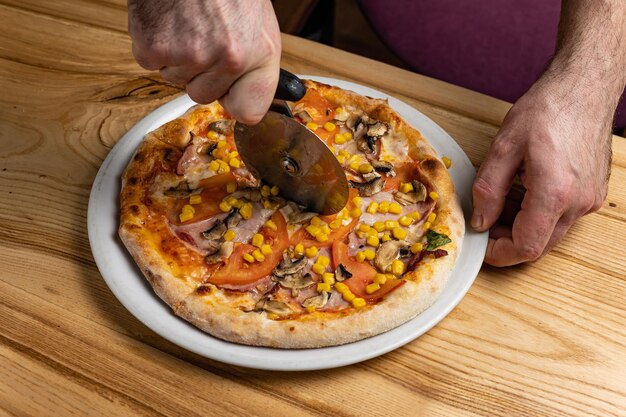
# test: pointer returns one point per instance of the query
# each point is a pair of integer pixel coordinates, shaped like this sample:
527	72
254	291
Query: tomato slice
362	275
236	271
406	172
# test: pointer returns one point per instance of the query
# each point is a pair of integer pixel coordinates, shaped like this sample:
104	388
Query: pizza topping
273	306
387	253
417	195
377	129
341	273
383	167
295	282
182	190
289	266
224	251
317	301
368	188
436	240
223	127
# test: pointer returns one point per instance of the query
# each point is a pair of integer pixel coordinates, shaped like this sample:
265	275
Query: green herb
436	240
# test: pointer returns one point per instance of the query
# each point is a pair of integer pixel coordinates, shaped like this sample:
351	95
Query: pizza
232	256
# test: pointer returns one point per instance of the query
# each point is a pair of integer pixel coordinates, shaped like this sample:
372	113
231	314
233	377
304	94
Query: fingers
210	85
493	182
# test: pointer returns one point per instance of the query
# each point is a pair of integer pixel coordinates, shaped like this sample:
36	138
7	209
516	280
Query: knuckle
233	59
530	251
482	188
501	147
198	95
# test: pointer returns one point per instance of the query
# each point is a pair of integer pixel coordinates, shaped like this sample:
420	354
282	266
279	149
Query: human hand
218	49
557	138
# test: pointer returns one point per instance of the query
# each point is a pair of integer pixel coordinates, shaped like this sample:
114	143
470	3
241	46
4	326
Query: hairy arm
556	138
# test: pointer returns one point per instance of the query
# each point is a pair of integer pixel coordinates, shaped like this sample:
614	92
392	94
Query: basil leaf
436	240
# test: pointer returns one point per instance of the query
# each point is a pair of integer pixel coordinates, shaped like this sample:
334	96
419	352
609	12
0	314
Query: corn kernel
212	135
329	126
372	288
397	267
395	208
316	221
258	255
311	252
195	199
357	201
365	168
322	237
188	209
335	224
313	230
310	309
221	144
390	224
348	295
271	225
446	161
399	233
325	229
274	190
416	247
355	212
405	221
434	195
265	191
373	241
341	159
427	225
214	165
312	126
266	250
225	207
246	211
318	269
234	162
360	256
369	254
372	208
323	260
386	237
379	226
185	216
298	251
344	153
269	204
406	187
248	257
363	227
354	166
322	286
223	169
415	215
383	207
358	302
372	232
233	154
231	187
380	279
348	135
232	201
229	235
341	287
431	217
328	278
340	139
257	240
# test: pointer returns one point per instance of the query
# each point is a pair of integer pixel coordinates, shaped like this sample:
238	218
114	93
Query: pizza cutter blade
282	152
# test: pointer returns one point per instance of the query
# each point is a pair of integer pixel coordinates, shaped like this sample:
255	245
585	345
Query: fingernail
477	221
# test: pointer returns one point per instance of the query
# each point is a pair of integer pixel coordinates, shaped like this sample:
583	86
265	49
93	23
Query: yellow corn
195	199
372	288
322	237
397	267
405	221
232	201
341	287
212	135
348	135
369	254
399	233
234	162
313	230
340	139
395	208
246	211
274	190
298	251
185	216
434	195
390	224
248	258
357	201
373	241
265	191
447	161
266	250
328	278
221	144
427	225
318	269
379	226
229	235
214	165
348	295
372	208
365	168
271	225
363	227
312	126
311	252
223	169
415	215
406	187
360	256
344	153
386	237
258	255
257	240
354	166
355	212
383	207
380	279
341	159
329	126
311	309
225	207
322	286
316	221
431	217
325	229
231	187
335	224
323	260
417	247
358	302
372	232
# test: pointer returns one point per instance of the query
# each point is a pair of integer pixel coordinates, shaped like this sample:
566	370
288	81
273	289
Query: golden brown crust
223	313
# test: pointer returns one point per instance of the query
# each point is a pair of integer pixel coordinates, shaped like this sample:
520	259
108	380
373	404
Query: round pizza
234	257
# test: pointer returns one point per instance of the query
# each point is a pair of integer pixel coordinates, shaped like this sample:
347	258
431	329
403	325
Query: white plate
129	286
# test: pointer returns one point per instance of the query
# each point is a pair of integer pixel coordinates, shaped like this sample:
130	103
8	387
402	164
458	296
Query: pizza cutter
284	153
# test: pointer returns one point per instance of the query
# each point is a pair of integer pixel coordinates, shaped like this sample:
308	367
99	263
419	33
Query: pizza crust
222	313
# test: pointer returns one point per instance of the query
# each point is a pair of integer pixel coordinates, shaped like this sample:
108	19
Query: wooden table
547	339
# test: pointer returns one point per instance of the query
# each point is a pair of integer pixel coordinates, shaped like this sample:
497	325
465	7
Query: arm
219	49
557	138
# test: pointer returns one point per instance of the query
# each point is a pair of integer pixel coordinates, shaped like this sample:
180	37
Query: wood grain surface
543	339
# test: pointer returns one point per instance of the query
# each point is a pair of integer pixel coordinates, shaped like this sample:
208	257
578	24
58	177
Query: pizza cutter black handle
290	87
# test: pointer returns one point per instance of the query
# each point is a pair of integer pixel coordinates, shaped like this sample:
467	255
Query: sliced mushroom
377	129
272	306
341	273
250	194
317	301
206	148
341	117
225	249
355	119
182	190
233	219
387	253
216	231
301	217
295	282
301	112
288	266
223	127
371	176
416	196
368	188
384	167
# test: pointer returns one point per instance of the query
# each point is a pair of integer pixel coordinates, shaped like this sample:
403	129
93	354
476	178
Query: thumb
494	180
